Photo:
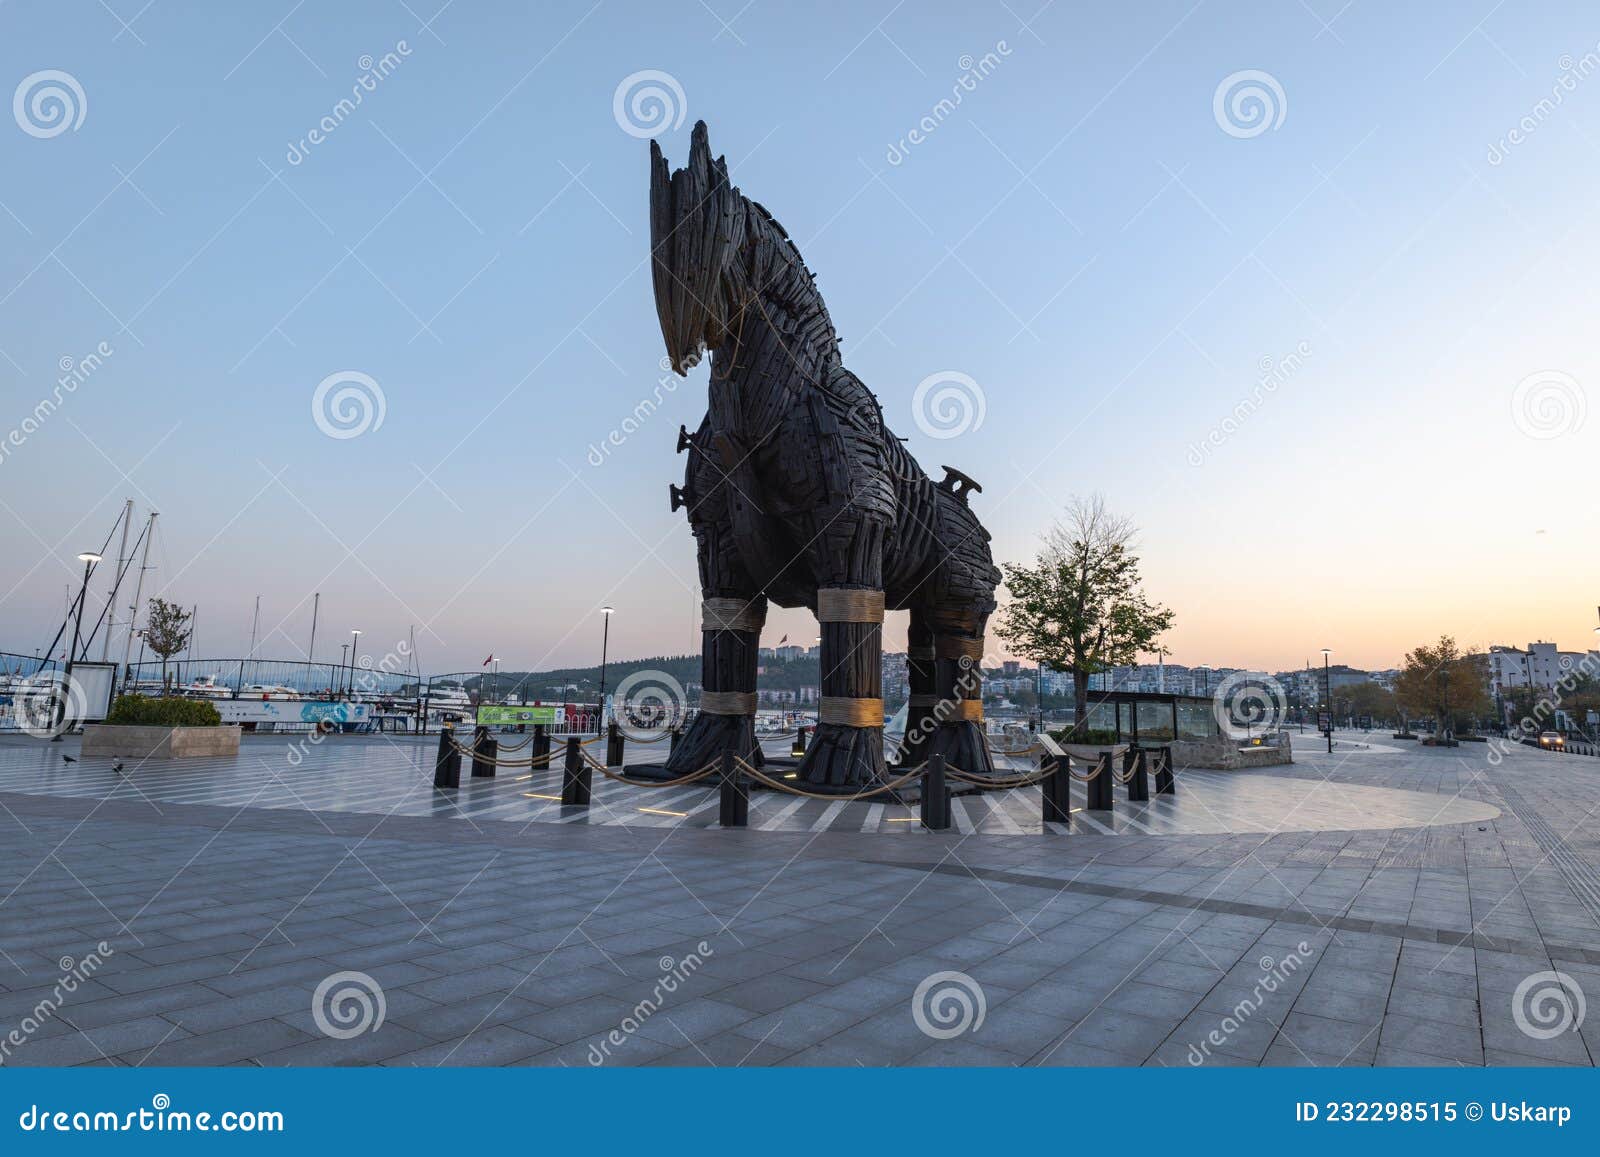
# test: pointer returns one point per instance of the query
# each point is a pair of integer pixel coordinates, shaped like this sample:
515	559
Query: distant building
1538	665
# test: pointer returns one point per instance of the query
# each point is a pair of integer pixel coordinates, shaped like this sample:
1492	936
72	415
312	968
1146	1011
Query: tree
166	632
1079	607
1441	681
1366	698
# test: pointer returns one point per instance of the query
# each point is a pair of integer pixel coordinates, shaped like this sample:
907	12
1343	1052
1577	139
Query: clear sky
1106	247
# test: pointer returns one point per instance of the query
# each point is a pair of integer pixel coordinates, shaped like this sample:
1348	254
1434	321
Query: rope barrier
1004	784
778	785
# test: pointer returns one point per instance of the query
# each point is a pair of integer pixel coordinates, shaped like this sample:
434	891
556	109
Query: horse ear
700	150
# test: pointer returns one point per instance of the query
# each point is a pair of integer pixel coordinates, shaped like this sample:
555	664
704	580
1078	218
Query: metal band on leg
720	614
850	712
728	702
849	605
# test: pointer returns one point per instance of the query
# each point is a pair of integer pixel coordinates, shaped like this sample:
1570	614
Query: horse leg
847	751
920	719
958	689
731	615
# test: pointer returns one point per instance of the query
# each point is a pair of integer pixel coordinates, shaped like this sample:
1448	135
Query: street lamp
355	642
605	643
1327	694
88	559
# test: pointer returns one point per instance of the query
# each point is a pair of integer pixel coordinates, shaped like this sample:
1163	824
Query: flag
489	660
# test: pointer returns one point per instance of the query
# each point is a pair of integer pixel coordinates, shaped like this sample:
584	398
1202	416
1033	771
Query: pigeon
68	759
117	767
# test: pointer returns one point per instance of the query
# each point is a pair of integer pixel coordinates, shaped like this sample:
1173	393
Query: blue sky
1082	237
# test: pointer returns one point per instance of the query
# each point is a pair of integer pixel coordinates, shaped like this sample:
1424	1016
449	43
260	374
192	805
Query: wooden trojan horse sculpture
798	494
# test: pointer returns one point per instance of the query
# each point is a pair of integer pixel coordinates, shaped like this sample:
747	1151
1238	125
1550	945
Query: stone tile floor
1409	937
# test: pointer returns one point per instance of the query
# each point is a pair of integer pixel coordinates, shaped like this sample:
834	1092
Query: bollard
613	745
798	747
935	796
1057	794
1099	788
1165	783
1133	766
447	765
672	744
485	750
575	777
541	743
733	804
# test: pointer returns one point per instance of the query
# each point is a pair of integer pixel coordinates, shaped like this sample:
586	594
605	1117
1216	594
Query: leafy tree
1079	607
166	631
1442	681
1367	698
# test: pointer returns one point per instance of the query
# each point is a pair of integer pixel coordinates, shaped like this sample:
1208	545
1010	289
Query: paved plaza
323	904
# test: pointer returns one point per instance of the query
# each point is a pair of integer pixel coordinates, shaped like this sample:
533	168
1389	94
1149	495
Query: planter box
108	740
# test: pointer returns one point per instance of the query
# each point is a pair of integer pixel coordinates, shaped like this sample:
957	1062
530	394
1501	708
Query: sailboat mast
116	577
138	592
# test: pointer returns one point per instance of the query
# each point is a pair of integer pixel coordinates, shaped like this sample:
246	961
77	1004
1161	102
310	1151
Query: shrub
143	711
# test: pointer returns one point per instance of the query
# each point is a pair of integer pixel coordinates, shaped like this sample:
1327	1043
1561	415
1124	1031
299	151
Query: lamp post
1327	694
88	558
605	643
350	685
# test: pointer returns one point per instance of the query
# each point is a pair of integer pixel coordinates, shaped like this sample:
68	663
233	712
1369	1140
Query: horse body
799	494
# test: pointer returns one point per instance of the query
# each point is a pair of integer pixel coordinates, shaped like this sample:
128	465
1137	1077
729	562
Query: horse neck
782	346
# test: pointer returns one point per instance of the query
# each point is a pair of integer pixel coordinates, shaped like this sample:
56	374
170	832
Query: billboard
291	711
492	716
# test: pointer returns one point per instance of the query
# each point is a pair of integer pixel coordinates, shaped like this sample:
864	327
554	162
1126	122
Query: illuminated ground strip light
655	811
536	795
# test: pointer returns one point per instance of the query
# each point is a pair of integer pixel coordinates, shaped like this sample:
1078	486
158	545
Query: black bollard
733	804
447	765
1133	767
935	796
1165	783
575	778
798	747
613	745
1057	791
1099	788
485	750
541	743
672	744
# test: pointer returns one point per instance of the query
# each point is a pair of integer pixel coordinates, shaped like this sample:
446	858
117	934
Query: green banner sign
512	716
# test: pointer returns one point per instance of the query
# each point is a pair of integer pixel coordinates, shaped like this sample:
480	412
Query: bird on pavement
68	759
